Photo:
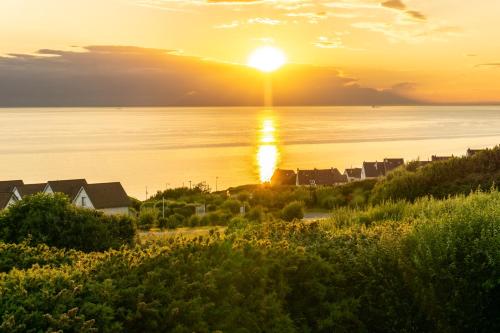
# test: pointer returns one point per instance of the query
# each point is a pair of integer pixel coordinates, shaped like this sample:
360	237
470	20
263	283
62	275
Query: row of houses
109	198
332	176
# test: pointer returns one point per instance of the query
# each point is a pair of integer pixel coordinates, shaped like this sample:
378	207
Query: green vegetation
293	211
53	220
427	266
441	179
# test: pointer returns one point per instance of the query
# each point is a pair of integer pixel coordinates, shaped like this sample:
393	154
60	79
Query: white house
7	199
109	198
11	186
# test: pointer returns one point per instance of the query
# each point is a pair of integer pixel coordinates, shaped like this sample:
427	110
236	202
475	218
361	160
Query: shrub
293	211
147	218
232	206
52	220
255	214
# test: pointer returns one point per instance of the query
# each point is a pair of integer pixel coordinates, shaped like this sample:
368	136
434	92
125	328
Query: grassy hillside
427	266
440	179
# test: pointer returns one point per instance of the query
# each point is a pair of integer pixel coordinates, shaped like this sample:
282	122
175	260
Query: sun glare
266	59
267	153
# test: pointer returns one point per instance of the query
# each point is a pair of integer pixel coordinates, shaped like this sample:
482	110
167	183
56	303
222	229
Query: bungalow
372	170
7	199
392	163
353	174
377	169
283	177
435	158
11	186
109	198
327	177
30	189
472	152
70	187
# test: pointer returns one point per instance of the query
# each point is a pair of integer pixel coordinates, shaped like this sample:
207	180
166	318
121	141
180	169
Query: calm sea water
160	147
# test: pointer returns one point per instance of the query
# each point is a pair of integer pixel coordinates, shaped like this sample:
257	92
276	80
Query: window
84	202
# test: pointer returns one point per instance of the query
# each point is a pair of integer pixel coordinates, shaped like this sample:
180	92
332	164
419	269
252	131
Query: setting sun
266	59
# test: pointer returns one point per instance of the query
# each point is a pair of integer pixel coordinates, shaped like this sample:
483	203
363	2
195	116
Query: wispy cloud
324	42
490	65
401	6
250	21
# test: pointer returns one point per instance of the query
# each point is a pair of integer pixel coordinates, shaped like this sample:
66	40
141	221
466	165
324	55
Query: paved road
312	216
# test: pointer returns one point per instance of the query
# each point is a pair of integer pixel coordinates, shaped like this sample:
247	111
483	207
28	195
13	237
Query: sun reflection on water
267	152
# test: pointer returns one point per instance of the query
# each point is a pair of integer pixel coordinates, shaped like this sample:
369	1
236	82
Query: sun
266	59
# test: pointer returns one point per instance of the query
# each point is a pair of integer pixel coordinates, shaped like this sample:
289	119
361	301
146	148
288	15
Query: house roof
30	189
436	158
353	172
70	187
107	195
320	177
374	169
8	185
5	198
393	163
283	177
471	152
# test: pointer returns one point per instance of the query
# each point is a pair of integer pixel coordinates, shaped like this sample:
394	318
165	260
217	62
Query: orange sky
440	51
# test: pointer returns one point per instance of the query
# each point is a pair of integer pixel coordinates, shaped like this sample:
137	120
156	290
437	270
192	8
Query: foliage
53	220
441	179
428	266
293	211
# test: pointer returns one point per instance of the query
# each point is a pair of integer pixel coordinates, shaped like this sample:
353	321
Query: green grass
187	233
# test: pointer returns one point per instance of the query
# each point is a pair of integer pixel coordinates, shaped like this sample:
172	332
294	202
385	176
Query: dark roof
393	163
353	172
29	189
8	185
5	198
472	152
374	169
436	158
320	177
107	195
283	177
70	187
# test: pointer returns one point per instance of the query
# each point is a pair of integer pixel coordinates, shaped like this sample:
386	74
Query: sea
151	149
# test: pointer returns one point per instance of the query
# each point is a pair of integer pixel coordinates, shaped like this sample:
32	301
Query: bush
293	211
147	218
232	206
428	266
255	214
441	179
52	220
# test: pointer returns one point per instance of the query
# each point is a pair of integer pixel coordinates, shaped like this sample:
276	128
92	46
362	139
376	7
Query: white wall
48	190
115	211
79	199
16	193
11	202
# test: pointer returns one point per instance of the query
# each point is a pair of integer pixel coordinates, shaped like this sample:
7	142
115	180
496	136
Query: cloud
404	86
324	42
256	20
132	76
264	20
394	4
416	15
491	65
230	25
401	6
